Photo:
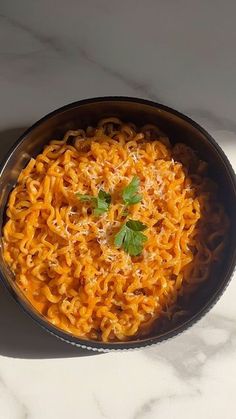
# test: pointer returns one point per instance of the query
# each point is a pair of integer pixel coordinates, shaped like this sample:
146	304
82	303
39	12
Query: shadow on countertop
20	337
7	138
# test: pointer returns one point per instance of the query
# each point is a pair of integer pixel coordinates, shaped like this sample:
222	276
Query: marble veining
209	337
180	53
13	402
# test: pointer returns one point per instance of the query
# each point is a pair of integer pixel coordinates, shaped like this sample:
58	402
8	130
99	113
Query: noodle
63	256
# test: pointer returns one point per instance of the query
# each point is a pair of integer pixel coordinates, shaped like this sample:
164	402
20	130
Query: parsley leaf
136	225
101	202
130	237
120	236
130	193
85	197
125	212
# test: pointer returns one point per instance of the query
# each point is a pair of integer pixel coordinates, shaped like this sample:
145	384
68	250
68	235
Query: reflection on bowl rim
124	345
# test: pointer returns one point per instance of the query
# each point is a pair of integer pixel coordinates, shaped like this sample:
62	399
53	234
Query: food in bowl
108	228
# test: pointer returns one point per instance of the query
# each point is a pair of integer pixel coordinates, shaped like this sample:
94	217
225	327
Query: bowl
179	128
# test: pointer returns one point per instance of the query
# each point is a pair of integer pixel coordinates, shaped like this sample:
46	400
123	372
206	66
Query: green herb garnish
101	202
131	238
85	197
130	194
125	212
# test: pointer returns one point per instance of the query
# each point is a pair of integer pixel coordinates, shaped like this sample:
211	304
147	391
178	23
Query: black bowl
179	128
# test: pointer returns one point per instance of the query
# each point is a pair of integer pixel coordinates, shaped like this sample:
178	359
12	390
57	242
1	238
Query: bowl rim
139	343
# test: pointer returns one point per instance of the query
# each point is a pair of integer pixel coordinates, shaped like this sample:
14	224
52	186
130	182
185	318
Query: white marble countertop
178	52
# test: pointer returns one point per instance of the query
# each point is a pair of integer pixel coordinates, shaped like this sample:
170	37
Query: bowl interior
179	129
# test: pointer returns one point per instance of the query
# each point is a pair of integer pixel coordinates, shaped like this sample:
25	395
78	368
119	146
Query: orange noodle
63	255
